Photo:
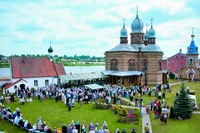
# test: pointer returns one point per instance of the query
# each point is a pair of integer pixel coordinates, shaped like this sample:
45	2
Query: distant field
83	63
4	65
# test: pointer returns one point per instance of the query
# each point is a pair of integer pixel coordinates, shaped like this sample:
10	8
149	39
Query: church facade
192	68
138	63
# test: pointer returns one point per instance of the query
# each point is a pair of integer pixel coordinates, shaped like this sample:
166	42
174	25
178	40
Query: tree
182	104
171	75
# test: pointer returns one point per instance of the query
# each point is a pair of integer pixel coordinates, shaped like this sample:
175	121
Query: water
5	72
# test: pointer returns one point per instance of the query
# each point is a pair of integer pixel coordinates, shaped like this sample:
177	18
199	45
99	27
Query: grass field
177	126
56	114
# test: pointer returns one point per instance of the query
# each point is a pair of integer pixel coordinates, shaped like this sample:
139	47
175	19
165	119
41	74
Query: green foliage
116	109
171	75
101	106
182	104
123	112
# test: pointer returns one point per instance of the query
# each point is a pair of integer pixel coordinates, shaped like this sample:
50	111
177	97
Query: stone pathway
145	117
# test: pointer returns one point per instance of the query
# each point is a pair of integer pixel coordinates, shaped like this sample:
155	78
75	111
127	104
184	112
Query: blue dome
123	32
152	32
192	49
137	25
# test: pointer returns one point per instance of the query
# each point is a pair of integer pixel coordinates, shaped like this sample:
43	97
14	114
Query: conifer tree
182	104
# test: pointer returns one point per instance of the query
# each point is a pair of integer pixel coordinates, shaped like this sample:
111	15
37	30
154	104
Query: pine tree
182	104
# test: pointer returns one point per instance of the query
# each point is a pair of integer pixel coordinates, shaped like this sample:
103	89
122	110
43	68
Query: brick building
175	62
137	63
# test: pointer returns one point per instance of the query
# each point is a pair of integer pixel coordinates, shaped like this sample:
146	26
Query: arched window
145	65
160	65
113	64
131	65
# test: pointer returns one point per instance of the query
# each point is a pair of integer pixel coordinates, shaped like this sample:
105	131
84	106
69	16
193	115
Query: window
46	82
181	64
182	57
145	65
176	64
176	57
170	64
114	64
190	49
35	82
160	65
190	63
131	66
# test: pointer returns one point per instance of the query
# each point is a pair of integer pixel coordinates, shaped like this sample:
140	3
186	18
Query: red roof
27	67
60	69
9	84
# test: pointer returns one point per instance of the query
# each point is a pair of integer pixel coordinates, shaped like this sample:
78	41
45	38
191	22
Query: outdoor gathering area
56	113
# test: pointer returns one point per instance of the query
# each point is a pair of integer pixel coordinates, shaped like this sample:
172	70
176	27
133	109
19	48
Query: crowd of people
42	127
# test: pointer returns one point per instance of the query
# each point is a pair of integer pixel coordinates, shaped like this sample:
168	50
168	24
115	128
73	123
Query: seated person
29	125
21	122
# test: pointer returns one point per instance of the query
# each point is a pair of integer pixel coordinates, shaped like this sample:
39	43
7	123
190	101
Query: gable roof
59	69
27	67
11	84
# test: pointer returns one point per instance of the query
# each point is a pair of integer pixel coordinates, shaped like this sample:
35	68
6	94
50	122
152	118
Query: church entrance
191	76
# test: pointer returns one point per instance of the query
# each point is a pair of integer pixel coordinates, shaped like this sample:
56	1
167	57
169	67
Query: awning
165	71
82	76
122	73
94	86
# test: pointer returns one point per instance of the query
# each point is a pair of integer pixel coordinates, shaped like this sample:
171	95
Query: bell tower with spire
192	51
50	51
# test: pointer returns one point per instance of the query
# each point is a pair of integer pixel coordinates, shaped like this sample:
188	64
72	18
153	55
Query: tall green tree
182	104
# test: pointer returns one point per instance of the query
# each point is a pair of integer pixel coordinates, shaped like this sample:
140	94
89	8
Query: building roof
11	84
59	68
122	73
27	67
123	47
152	48
81	76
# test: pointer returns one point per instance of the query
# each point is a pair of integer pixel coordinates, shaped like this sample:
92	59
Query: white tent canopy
94	86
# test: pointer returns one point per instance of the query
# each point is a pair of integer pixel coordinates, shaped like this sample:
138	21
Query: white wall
41	81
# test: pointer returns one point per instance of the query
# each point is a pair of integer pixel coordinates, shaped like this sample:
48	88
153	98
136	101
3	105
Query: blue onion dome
137	25
123	32
152	32
50	50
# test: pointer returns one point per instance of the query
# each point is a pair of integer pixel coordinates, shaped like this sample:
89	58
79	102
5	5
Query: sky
91	27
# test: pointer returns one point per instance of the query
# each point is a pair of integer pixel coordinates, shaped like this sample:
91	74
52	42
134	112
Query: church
191	70
138	63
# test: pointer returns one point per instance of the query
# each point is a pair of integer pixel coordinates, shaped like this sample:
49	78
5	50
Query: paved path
145	117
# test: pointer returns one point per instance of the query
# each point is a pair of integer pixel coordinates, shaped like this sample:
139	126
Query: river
5	72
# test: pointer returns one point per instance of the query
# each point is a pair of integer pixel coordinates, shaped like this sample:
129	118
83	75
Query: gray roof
123	47
152	47
81	76
122	73
137	46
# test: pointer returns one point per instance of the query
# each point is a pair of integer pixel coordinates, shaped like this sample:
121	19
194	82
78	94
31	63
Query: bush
101	106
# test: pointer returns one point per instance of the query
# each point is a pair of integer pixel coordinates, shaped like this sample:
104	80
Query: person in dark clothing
49	130
64	129
78	126
29	126
133	131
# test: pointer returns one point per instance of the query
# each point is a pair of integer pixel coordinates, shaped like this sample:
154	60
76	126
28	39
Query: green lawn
56	114
177	126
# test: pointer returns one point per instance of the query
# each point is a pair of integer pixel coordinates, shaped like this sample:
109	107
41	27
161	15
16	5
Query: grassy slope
56	114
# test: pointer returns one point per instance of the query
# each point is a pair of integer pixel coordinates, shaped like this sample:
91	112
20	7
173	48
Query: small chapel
138	61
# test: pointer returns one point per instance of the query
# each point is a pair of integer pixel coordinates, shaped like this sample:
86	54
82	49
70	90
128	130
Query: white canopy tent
94	86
